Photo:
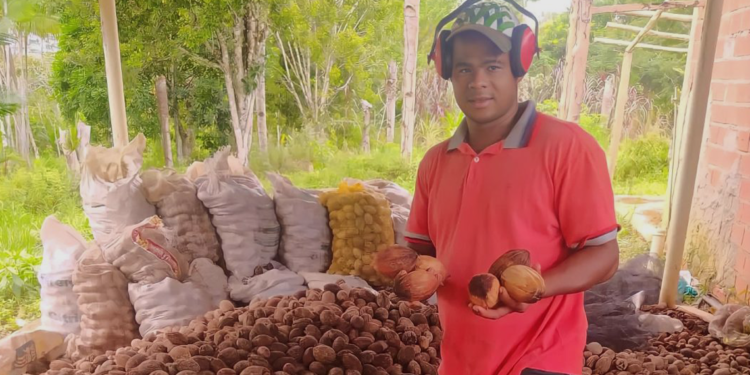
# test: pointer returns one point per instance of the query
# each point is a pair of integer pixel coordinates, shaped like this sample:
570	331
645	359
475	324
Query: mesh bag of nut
108	318
361	223
177	204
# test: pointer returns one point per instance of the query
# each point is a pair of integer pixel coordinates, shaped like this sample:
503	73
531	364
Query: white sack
178	206
279	281
144	253
317	280
242	213
167	303
399	215
211	278
59	304
110	190
305	236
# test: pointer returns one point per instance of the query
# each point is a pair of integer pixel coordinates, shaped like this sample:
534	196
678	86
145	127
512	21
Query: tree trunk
84	138
174	111
411	33
390	104
233	110
366	107
162	106
260	93
608	97
576	57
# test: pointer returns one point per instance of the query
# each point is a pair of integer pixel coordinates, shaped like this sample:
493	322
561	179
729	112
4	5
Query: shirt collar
517	138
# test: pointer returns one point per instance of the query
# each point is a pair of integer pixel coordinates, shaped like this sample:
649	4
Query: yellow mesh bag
360	220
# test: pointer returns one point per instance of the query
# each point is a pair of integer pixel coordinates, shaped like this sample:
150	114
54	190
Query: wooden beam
635	7
624	43
661	34
576	57
622	98
666	16
642	34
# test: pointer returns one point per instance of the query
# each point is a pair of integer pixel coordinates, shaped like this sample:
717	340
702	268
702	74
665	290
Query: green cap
489	18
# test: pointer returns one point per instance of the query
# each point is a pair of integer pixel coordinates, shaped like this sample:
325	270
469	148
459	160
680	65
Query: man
511	178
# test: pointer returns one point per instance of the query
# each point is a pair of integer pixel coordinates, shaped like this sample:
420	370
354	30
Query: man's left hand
505	305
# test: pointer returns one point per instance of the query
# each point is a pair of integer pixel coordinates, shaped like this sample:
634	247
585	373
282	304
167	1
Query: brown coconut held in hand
394	259
523	284
484	290
433	266
508	259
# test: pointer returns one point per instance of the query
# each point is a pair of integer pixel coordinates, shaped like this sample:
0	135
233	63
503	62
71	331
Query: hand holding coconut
511	285
416	277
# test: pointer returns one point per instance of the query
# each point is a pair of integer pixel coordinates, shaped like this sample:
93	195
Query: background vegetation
63	88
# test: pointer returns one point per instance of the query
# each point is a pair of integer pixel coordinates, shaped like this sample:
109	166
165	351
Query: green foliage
643	165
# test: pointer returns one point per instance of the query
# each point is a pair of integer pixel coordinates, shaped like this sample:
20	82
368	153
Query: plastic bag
110	190
210	277
305	237
731	325
361	223
145	254
108	318
59	304
167	303
316	280
242	213
400	201
273	280
177	204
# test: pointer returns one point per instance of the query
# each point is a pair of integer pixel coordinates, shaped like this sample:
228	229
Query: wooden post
608	97
366	107
115	92
576	58
162	107
411	36
690	153
680	120
390	103
622	99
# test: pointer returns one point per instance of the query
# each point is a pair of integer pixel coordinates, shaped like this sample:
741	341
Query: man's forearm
582	270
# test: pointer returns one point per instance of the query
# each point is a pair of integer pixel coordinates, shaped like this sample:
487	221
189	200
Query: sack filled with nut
108	318
167	303
267	281
145	254
361	223
242	213
211	278
305	236
59	303
178	206
400	201
110	190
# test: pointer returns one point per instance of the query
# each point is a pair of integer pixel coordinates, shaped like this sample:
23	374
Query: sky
552	6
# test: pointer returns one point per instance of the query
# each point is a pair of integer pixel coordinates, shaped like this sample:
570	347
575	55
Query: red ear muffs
443	55
523	50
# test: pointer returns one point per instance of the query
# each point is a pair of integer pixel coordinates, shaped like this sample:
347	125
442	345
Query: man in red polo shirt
511	178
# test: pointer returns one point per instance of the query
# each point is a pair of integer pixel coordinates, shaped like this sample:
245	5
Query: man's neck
481	136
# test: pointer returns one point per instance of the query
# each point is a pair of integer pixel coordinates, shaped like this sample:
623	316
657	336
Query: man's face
483	83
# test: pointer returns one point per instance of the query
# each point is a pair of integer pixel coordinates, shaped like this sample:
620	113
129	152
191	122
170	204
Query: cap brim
501	40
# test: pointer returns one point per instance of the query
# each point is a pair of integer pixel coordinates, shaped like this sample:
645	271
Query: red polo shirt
545	188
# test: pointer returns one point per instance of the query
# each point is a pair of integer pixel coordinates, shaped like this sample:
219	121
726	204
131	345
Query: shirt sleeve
417	230
584	196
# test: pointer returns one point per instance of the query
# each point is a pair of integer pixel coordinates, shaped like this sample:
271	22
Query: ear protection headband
524	43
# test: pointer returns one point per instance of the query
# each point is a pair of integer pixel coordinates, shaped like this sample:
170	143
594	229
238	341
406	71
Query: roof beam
615	25
642	34
666	16
636	7
640	45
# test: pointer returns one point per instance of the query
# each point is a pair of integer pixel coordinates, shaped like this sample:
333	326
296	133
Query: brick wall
719	244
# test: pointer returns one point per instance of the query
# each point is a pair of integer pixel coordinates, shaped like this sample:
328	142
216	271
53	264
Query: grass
28	195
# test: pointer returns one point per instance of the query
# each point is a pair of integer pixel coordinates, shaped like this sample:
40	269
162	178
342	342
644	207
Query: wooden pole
622	99
576	58
679	125
624	43
690	154
661	34
115	92
642	34
411	39
636	7
366	107
390	104
666	16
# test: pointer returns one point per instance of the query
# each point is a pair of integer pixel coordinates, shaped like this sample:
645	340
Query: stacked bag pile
170	247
